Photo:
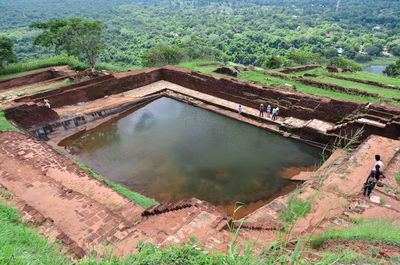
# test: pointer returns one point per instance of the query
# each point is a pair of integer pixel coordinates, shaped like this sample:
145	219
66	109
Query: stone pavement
84	212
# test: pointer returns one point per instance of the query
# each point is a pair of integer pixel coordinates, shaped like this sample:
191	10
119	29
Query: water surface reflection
169	151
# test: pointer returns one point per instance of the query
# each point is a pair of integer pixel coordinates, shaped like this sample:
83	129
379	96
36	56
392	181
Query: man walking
372	179
261	110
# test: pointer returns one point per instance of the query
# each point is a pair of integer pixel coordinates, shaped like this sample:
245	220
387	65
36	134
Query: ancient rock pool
169	151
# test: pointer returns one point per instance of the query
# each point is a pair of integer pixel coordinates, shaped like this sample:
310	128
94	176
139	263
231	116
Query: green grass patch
358	75
48	87
366	230
397	177
41	63
136	197
206	67
296	208
383	92
347	256
5	125
21	245
18	69
18	74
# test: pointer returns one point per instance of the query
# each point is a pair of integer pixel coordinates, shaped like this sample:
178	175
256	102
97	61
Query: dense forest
233	30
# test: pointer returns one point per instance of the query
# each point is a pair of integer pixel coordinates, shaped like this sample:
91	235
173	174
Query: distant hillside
236	30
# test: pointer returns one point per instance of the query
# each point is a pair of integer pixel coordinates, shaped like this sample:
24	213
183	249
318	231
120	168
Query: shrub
393	69
344	63
362	58
301	57
158	56
273	61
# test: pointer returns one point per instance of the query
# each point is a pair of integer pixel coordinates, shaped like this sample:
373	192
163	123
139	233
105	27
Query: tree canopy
393	69
75	36
6	51
239	31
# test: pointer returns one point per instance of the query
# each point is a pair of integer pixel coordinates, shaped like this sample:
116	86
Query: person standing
261	110
46	103
240	109
269	111
372	179
378	162
274	114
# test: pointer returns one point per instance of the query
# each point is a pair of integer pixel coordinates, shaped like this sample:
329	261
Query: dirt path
336	189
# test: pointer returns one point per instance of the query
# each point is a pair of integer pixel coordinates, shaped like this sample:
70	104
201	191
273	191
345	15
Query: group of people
374	176
274	113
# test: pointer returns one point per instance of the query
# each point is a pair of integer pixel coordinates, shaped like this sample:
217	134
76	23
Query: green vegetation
297	208
18	69
342	63
6	52
397	177
239	31
19	74
5	125
21	245
257	76
366	230
36	64
75	36
343	255
136	197
383	92
163	55
393	69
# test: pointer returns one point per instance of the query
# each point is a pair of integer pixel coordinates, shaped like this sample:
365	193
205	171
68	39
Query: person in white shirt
269	111
378	162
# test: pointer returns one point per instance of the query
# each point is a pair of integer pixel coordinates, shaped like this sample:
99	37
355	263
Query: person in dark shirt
372	179
261	110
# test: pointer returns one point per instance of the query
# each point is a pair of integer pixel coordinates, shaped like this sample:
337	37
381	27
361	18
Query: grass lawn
358	75
206	67
5	125
266	80
19	74
383	92
21	245
365	230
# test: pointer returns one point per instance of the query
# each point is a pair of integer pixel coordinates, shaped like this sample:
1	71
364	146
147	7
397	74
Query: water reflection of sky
170	151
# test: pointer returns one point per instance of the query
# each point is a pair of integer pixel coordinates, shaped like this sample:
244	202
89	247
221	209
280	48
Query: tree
53	35
395	50
373	50
393	69
6	53
330	53
76	36
162	55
